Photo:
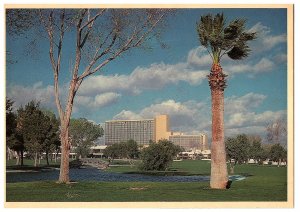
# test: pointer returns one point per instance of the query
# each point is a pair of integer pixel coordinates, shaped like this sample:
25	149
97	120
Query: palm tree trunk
219	175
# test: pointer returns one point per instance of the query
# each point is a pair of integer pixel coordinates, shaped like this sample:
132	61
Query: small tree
132	149
237	150
11	125
11	122
158	156
33	125
128	150
256	149
112	151
52	142
83	134
277	153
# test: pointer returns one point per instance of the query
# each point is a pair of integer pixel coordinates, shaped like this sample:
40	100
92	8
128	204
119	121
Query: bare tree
101	36
276	131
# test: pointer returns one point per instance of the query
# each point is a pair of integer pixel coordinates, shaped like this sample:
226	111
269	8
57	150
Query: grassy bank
264	183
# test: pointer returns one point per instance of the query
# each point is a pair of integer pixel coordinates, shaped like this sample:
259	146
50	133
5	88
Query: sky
169	81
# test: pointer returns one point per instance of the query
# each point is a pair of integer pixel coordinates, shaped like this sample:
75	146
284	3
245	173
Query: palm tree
220	40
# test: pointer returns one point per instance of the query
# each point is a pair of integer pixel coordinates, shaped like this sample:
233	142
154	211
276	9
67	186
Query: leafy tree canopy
128	149
158	156
277	153
11	122
83	134
238	148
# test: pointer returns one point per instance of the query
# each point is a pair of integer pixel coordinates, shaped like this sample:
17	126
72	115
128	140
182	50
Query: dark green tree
83	134
221	39
52	142
132	149
33	125
14	141
158	156
256	151
128	150
277	153
112	151
237	150
11	119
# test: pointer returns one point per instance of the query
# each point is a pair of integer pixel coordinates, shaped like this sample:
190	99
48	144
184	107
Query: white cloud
265	40
199	57
194	117
238	120
280	58
21	95
183	116
127	115
99	101
154	77
251	68
236	104
263	65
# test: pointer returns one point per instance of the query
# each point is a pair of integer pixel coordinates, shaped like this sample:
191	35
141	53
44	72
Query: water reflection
93	174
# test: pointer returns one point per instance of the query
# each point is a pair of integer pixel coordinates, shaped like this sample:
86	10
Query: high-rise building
161	126
145	130
141	131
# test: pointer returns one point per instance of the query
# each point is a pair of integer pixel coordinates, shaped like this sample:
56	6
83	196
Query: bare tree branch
91	21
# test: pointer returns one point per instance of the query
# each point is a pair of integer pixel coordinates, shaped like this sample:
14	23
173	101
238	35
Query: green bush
158	156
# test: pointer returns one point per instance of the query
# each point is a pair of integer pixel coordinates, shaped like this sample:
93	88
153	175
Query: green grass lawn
264	183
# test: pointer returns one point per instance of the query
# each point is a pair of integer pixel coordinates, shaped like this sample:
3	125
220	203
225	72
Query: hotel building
146	130
141	131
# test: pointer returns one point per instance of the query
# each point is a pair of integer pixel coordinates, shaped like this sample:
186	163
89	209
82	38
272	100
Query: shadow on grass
166	173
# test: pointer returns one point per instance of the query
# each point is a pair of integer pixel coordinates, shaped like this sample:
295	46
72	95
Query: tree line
241	148
157	156
35	131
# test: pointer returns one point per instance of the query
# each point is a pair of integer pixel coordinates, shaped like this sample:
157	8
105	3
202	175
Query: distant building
145	130
161	128
141	131
98	151
190	142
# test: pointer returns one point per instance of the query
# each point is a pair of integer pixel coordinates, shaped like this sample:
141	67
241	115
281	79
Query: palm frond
221	39
239	52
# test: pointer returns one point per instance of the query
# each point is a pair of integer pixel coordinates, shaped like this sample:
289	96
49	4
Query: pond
93	174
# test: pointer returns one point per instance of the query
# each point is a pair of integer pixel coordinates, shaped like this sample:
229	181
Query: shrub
158	156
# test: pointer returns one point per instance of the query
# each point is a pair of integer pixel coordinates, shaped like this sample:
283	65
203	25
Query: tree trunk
18	158
65	152
47	158
64	133
35	159
22	157
55	156
231	168
219	175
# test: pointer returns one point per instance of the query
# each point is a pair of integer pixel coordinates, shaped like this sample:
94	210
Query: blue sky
171	81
